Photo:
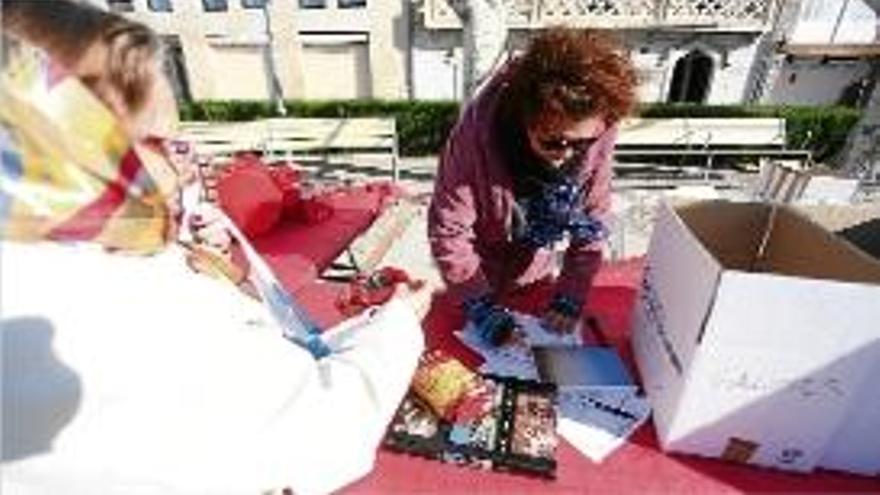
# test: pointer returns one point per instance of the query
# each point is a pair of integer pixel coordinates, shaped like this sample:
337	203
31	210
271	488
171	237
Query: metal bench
297	137
706	137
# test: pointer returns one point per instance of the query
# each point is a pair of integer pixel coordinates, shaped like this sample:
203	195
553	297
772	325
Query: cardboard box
757	336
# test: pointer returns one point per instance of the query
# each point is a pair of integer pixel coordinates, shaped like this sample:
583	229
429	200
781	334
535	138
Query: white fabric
134	375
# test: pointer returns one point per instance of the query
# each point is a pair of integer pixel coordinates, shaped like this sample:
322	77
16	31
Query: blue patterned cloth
546	217
566	305
494	322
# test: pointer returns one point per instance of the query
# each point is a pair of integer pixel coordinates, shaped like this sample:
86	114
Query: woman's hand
211	249
557	322
563	314
208	229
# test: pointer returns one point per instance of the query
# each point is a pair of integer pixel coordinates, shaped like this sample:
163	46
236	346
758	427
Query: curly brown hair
577	73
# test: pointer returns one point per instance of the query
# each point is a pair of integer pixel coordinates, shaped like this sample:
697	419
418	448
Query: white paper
597	426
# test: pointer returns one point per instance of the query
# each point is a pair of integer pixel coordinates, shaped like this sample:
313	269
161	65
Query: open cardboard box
757	336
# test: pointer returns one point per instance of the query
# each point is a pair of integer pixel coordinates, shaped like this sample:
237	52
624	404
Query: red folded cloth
247	193
289	182
256	196
299	206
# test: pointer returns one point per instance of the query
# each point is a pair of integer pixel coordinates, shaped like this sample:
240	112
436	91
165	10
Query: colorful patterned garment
68	171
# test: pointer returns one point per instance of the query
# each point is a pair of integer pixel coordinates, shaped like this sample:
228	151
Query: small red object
374	289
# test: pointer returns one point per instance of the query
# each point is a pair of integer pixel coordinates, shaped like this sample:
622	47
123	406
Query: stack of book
517	434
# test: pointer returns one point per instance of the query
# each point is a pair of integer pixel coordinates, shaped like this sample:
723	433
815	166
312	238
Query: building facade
257	49
827	56
698	51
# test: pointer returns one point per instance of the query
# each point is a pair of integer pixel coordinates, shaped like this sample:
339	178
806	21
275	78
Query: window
120	5
312	4
159	5
253	4
215	5
352	4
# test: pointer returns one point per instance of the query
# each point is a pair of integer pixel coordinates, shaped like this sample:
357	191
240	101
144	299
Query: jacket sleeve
583	259
452	215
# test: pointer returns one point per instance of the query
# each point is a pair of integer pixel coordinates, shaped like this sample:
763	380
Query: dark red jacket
470	217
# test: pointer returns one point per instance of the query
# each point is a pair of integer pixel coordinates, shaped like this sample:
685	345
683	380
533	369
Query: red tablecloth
638	467
298	252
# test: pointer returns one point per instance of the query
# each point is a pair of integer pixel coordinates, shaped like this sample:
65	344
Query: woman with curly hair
527	165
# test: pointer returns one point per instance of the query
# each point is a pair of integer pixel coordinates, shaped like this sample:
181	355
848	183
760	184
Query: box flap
677	290
755	405
816	319
796	246
679	284
731	232
855	446
775	346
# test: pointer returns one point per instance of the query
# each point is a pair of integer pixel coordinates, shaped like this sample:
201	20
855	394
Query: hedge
424	125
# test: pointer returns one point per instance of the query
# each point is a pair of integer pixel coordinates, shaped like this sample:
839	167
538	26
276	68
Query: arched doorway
691	78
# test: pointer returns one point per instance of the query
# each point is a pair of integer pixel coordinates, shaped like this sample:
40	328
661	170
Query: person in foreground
526	166
124	370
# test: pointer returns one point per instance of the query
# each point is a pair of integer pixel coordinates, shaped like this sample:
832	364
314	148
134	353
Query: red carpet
638	467
299	252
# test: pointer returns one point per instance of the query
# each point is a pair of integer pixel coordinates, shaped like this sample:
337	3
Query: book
599	404
517	435
585	366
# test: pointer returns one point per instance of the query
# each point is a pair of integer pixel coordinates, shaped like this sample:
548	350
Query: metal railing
533	14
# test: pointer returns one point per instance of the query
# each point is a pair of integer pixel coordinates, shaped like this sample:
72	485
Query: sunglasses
562	144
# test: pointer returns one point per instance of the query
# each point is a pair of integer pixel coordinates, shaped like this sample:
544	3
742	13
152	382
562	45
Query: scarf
68	171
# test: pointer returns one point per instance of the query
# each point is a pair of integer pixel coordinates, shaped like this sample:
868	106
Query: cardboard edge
848	246
668	210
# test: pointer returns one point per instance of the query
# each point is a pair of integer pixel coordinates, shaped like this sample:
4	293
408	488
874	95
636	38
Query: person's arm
583	258
452	236
451	219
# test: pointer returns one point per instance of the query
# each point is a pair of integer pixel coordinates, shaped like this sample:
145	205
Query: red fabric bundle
313	210
299	206
288	181
247	193
257	196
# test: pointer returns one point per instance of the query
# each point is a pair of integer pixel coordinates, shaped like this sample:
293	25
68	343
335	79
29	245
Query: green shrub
423	125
